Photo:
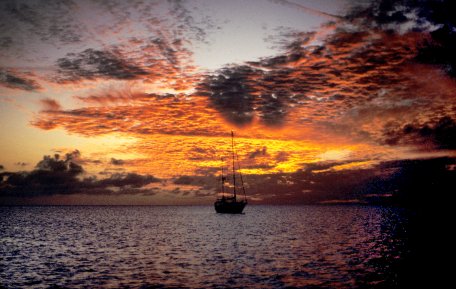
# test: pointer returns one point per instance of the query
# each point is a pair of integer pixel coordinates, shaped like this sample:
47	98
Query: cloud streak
307	9
144	114
92	64
16	80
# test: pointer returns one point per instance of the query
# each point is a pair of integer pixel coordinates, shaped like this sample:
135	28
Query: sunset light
342	112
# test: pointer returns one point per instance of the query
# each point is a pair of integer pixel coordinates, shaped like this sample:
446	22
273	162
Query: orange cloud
346	93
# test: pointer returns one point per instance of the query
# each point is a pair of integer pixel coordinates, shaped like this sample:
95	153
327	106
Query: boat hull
223	207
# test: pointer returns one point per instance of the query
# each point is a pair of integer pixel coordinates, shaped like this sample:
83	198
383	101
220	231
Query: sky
133	102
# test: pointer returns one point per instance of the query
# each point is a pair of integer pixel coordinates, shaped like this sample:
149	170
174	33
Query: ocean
193	247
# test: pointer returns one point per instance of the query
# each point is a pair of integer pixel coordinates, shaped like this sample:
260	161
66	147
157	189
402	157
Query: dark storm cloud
231	92
63	175
241	92
17	81
436	17
440	134
347	69
92	64
440	50
265	88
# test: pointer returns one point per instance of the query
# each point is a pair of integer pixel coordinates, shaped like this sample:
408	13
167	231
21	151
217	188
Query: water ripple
192	247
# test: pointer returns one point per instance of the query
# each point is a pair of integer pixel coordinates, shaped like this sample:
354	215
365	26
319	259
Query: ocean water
193	247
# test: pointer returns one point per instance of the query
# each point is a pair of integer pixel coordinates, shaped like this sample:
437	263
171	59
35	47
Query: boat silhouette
230	204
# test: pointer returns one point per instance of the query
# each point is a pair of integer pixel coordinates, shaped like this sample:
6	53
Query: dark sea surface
193	247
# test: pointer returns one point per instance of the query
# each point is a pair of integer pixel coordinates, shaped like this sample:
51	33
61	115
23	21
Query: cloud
63	22
17	81
49	104
64	176
437	135
282	156
439	50
354	83
41	20
167	59
208	182
431	17
117	162
162	60
197	30
258	152
231	92
126	181
369	72
110	96
410	183
92	64
143	114
324	80
32	27
126	41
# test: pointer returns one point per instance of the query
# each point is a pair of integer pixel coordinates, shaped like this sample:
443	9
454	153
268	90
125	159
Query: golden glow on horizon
349	166
168	156
182	135
335	154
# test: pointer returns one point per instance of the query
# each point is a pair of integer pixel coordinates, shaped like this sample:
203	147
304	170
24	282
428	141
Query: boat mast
240	174
234	172
223	181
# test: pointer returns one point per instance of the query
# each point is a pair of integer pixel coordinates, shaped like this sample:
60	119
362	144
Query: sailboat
230	204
